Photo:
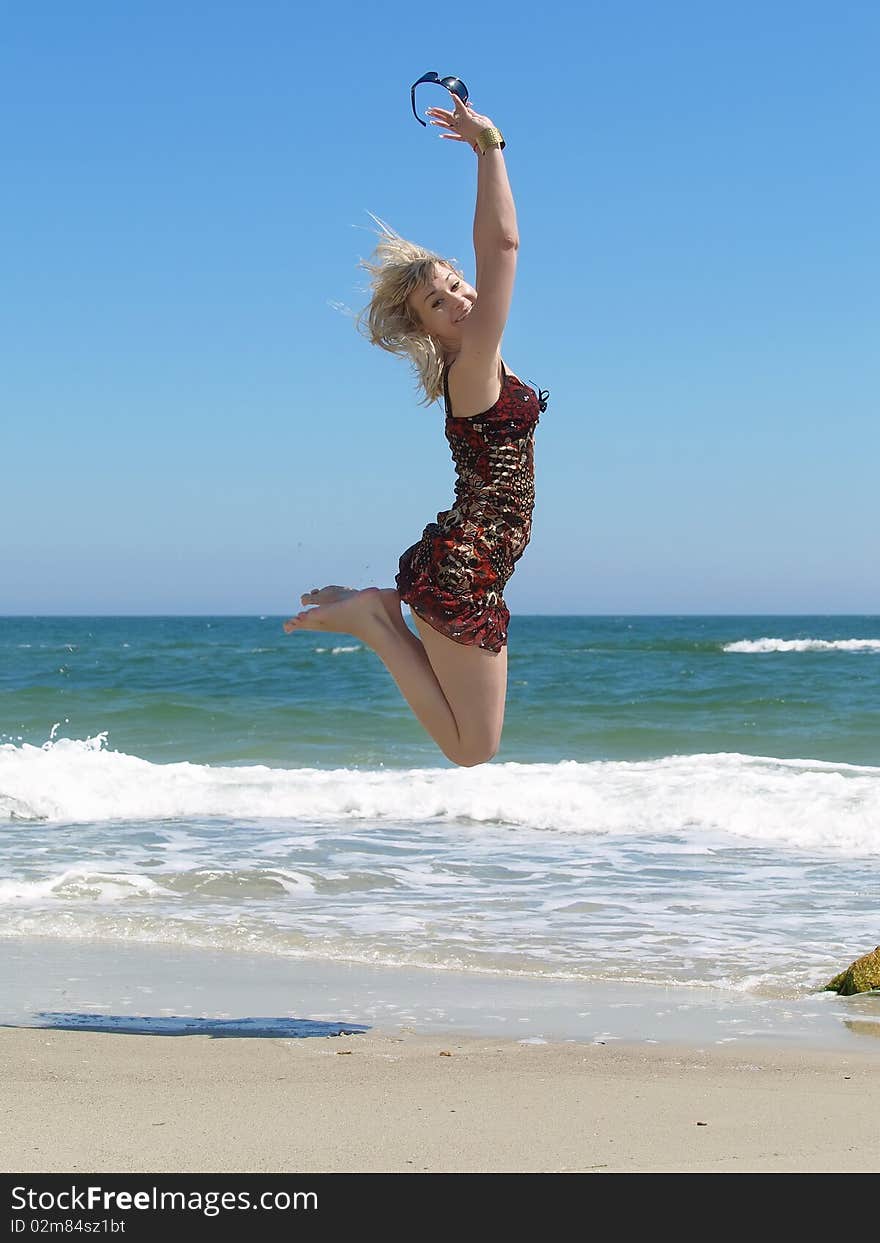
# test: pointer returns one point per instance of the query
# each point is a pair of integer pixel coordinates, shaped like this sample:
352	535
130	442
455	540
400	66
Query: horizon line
268	616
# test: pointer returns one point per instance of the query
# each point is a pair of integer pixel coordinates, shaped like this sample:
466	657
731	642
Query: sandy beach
407	1102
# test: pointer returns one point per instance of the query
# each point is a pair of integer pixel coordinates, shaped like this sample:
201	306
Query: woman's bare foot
322	596
345	611
325	595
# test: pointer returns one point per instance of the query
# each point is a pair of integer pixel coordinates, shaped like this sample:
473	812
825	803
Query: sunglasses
455	85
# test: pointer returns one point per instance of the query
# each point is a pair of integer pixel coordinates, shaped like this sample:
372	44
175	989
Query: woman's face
442	304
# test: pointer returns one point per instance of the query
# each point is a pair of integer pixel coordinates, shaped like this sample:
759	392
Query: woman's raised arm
496	240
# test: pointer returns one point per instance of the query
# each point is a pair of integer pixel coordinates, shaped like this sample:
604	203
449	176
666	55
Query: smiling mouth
461	317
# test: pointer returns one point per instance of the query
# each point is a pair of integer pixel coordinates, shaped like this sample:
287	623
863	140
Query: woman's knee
474	754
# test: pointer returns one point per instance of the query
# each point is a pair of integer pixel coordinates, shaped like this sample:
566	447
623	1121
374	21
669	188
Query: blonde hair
399	269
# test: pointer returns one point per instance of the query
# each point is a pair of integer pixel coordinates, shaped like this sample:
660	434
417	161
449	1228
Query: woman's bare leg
456	692
474	682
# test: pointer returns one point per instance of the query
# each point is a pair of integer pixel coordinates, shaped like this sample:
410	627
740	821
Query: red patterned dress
454	577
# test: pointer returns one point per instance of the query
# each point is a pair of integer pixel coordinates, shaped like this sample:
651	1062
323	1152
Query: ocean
684	802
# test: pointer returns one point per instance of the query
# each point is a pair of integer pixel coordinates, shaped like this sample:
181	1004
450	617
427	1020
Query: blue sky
188	425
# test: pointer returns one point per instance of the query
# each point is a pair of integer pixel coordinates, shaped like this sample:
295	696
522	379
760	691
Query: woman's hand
461	125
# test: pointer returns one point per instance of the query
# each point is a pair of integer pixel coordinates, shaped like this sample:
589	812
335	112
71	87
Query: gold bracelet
490	137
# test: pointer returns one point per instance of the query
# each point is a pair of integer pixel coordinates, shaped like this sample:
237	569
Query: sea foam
810	804
803	645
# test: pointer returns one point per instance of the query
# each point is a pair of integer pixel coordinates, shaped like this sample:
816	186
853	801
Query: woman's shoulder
470	394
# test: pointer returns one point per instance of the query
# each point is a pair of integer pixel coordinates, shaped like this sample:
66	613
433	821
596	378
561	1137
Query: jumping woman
454	674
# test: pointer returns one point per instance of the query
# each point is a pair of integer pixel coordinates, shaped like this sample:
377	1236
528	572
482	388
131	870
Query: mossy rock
860	977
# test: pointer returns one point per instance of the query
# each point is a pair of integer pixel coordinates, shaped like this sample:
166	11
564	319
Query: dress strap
446	401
